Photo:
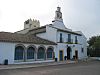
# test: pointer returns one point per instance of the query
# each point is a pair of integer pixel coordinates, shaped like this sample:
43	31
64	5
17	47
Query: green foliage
94	46
92	40
69	42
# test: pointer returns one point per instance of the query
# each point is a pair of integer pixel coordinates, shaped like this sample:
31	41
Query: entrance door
61	55
76	54
68	53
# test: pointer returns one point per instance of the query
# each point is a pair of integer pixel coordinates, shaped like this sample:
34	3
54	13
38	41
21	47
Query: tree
94	46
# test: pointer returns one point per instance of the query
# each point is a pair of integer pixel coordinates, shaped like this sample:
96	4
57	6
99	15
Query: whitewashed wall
50	34
7	52
65	37
59	24
63	47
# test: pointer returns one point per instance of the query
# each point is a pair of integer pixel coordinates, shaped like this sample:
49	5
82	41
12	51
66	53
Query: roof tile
22	38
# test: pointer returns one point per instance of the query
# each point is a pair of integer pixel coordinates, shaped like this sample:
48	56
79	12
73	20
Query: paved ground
32	65
83	68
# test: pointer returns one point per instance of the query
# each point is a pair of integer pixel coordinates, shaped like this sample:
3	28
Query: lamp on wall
73	45
67	46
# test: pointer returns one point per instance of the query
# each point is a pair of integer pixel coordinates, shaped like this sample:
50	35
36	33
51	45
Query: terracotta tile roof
37	30
22	38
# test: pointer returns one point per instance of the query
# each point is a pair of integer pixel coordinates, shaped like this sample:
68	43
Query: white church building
35	44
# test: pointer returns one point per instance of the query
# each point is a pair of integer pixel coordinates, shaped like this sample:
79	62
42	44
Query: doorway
76	54
68	53
61	55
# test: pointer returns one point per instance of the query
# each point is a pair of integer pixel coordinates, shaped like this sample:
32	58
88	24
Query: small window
69	37
82	50
60	37
76	41
34	26
30	25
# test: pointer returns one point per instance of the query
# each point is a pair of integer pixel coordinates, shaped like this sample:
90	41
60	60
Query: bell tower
31	24
58	14
58	20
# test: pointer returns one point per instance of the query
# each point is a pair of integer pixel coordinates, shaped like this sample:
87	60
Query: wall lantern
73	45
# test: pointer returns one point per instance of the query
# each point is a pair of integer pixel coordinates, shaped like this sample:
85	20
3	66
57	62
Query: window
60	37
82	50
34	26
41	53
76	41
30	25
50	53
69	37
30	53
19	52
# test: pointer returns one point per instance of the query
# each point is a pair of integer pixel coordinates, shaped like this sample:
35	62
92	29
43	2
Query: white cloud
81	15
15	12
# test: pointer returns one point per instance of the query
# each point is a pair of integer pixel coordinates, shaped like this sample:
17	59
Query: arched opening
50	53
31	53
68	53
41	53
19	53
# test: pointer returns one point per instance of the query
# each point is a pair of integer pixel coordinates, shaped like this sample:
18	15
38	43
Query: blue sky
79	15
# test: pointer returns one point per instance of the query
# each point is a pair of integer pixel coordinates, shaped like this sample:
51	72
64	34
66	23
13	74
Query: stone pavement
16	66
